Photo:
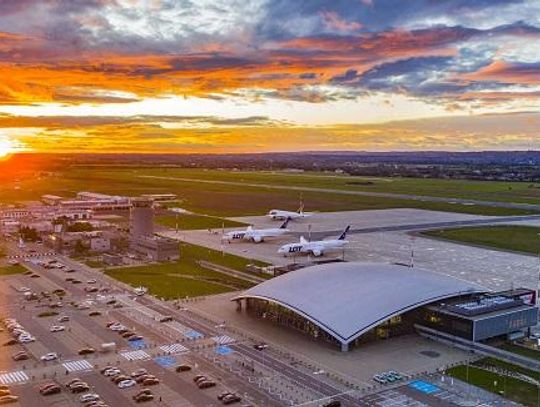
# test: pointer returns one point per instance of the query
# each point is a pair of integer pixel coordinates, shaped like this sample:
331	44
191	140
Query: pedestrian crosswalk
135	355
77	365
223	339
174	348
13	377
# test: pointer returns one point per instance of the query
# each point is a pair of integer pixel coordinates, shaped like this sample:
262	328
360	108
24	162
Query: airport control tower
141	218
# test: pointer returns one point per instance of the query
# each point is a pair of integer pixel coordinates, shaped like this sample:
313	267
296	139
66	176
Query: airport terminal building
347	304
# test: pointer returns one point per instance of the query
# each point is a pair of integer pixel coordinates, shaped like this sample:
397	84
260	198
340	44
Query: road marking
135	355
14	377
77	365
174	348
223	340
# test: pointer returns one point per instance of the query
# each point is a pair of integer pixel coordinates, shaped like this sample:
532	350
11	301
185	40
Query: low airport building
347	304
155	248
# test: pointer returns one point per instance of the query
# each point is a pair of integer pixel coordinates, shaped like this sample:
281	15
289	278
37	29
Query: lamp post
317	373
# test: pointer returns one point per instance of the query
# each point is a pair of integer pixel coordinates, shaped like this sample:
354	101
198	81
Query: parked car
9	398
231	399
183	368
126	383
144	397
20	356
54	389
86	351
139	372
49	357
150	381
85	398
57	328
205	384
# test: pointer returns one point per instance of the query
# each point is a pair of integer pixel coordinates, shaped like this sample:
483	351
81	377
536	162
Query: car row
387	377
123	331
123	381
18	331
203	382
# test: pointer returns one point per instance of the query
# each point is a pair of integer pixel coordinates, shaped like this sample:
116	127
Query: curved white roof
348	299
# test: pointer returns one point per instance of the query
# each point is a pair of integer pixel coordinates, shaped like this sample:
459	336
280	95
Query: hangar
348	303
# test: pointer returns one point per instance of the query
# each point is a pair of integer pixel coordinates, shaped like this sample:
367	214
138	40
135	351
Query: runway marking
174	348
135	355
77	365
223	339
14	377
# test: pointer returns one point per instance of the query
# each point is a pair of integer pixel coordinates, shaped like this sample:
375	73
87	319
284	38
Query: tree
29	234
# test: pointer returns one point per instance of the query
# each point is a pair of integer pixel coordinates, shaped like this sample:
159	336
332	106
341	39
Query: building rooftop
348	299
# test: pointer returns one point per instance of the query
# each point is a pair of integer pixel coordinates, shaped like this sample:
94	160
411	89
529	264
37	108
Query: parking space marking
77	365
14	377
135	355
223	350
223	340
193	334
165	361
174	348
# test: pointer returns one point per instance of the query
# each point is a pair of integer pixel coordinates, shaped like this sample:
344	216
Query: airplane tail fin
303	240
284	225
344	233
301	207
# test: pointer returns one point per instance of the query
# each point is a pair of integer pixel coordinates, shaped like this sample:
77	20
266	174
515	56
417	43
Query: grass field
482	190
514	389
520	350
194	222
186	278
516	238
10	270
237	200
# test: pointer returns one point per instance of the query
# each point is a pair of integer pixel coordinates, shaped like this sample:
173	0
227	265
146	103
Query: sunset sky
268	75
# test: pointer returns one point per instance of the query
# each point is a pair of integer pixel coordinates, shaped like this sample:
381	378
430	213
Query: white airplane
278	214
317	248
256	235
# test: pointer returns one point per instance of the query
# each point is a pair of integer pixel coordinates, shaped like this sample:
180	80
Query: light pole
317	373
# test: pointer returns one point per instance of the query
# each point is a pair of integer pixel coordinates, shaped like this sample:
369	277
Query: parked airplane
256	235
278	214
317	248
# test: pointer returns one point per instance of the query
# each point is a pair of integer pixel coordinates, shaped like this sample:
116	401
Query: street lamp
317	373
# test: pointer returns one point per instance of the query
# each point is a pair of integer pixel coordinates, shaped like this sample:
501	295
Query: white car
112	372
92	281
49	356
26	338
124	384
13	262
57	328
23	289
118	327
83	306
85	398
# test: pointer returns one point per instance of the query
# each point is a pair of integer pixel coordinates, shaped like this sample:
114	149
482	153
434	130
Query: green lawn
509	237
186	277
9	270
195	222
236	200
516	390
520	350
